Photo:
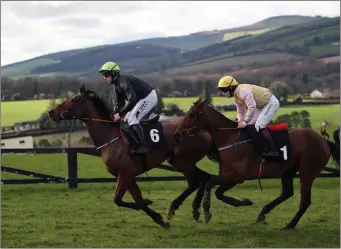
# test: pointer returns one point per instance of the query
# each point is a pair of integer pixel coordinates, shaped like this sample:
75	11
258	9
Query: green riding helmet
109	66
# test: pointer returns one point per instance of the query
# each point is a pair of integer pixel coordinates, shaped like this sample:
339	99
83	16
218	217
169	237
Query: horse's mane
220	114
99	104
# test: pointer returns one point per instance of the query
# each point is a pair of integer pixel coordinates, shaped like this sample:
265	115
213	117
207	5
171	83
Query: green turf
185	103
233	35
52	216
19	111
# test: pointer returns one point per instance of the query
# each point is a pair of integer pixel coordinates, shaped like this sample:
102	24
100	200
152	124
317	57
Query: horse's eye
191	115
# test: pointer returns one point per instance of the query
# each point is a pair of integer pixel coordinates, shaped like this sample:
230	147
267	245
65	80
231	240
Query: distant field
18	111
186	103
226	62
232	35
24	68
318	114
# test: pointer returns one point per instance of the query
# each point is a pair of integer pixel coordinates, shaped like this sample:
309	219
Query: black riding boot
271	149
142	146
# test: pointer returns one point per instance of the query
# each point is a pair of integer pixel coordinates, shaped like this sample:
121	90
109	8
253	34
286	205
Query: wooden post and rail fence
72	178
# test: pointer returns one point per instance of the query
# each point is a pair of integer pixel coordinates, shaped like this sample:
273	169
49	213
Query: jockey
140	97
260	103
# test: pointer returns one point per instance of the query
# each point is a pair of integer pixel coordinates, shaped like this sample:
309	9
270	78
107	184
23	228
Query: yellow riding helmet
227	81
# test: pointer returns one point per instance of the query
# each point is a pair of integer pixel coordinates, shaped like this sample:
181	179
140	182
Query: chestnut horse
239	160
115	152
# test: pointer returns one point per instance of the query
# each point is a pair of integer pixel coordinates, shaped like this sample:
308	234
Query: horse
114	148
240	159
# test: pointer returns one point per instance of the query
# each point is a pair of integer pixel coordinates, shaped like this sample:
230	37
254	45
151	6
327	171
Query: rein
99	120
102	121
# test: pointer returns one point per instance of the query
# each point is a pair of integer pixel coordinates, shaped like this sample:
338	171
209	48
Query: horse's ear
201	104
205	100
198	101
82	89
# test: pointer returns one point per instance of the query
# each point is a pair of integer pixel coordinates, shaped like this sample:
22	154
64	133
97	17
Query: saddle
280	137
152	131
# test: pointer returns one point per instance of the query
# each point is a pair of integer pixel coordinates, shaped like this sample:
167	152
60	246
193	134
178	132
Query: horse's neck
216	120
101	132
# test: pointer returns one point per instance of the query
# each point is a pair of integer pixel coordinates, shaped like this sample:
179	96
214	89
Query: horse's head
80	106
194	118
201	116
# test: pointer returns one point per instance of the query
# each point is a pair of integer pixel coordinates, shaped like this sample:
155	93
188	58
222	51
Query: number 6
154	135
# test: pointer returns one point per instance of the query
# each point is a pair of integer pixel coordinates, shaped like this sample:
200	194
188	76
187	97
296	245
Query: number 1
285	154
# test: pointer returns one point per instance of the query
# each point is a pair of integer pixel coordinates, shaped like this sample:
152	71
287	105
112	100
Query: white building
316	94
17	143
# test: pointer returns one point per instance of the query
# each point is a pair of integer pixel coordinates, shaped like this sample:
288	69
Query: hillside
153	55
300	39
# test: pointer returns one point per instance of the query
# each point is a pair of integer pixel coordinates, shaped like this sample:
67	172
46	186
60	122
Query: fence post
72	167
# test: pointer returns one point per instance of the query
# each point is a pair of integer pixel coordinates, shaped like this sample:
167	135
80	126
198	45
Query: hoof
208	217
261	218
196	215
147	202
287	228
166	225
245	202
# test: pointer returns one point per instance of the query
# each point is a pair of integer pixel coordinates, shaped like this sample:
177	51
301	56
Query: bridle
80	99
182	131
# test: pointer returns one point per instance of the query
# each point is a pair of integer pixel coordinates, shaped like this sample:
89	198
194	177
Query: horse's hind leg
305	202
219	193
128	182
287	192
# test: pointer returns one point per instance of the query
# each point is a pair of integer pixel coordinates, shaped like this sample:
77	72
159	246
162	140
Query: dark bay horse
239	161
107	137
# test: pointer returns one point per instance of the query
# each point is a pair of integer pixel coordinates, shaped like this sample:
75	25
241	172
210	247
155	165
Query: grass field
232	35
18	111
51	215
318	114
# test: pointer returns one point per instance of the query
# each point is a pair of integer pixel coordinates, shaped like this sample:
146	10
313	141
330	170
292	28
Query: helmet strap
115	78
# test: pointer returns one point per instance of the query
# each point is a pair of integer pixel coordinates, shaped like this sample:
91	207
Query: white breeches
141	108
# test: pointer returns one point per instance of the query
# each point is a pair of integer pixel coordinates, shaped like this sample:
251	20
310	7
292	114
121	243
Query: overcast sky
31	29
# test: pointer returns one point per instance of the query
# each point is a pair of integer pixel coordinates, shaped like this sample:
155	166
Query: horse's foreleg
198	178
207	197
180	199
135	191
121	188
230	179
197	201
219	193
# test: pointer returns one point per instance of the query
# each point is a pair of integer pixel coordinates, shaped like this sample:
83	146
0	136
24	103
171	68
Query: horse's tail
335	151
